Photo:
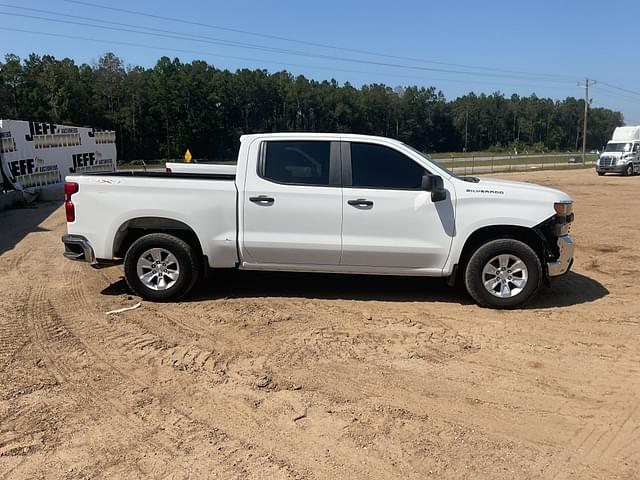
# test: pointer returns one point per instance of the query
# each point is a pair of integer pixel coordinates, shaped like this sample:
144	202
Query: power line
617	95
627	121
615	100
178	35
136	29
164	31
315	44
626	100
100	20
620	88
285	51
597	104
273	50
287	64
258	60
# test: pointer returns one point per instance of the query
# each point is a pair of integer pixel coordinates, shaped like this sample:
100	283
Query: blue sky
557	43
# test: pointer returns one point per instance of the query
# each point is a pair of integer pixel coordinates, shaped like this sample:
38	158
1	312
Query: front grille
607	162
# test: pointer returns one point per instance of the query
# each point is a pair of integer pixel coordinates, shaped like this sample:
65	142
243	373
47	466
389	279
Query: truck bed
206	204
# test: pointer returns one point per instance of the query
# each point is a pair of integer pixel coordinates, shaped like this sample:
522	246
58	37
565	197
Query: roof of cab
314	135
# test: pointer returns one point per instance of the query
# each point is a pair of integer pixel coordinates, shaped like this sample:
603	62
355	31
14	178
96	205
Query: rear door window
297	162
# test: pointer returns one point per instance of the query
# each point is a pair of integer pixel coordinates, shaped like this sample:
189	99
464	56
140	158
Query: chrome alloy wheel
158	269
505	276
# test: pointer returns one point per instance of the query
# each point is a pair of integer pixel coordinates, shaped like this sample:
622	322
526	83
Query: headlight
621	161
563	209
564	219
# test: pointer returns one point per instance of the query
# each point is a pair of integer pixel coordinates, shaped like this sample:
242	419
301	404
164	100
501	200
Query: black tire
600	174
188	261
628	172
473	274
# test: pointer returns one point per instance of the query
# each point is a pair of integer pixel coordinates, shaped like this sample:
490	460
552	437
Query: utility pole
587	82
466	128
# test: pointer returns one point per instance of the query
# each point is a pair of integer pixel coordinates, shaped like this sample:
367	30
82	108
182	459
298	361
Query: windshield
618	147
428	158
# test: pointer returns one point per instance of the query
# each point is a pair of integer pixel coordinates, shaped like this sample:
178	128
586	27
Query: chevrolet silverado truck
336	203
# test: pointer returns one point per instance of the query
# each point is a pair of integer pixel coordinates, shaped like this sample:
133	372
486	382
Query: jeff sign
37	155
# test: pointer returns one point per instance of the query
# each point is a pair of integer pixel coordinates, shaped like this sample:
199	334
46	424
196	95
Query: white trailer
35	157
626	134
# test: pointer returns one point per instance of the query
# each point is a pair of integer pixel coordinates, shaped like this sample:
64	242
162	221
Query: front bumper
76	247
565	259
611	168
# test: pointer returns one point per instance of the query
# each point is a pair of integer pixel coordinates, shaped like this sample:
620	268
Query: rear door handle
262	200
360	202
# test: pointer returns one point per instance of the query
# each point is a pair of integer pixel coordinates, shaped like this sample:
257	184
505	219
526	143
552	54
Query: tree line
159	112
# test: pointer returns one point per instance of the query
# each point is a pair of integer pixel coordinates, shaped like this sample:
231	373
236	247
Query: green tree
159	112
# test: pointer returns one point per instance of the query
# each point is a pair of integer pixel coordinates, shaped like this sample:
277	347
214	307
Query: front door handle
262	200
360	202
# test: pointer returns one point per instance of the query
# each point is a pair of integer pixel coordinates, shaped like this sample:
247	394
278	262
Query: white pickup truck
321	203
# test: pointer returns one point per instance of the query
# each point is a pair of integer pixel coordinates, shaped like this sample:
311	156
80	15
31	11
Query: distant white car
321	203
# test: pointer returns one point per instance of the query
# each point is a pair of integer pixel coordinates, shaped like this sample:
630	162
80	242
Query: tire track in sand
62	351
135	340
613	443
183	429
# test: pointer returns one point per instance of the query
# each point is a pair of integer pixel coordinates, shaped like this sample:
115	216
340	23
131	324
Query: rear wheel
504	273
161	267
600	173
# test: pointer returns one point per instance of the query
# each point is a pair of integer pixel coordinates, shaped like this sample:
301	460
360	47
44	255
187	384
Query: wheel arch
134	228
482	235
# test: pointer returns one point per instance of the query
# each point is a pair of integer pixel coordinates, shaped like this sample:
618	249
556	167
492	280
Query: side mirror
435	185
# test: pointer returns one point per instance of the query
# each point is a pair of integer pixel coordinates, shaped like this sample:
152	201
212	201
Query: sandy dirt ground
291	376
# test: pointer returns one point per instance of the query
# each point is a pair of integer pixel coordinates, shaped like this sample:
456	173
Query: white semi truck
622	154
35	157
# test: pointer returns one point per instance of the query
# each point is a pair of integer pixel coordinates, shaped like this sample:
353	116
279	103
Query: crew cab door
292	204
389	221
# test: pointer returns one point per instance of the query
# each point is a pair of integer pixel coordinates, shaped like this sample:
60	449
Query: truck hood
511	189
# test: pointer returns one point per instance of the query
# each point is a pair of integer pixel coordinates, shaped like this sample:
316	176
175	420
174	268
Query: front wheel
503	273
161	267
629	170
